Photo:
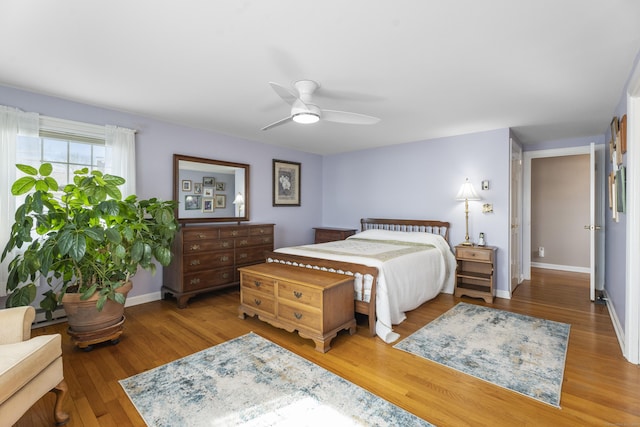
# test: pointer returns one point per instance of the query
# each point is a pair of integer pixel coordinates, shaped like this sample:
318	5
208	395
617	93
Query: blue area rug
250	381
521	353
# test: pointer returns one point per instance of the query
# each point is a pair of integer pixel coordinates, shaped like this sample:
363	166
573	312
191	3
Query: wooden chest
317	304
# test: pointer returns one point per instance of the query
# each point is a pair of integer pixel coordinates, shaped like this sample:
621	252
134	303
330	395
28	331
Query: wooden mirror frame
184	186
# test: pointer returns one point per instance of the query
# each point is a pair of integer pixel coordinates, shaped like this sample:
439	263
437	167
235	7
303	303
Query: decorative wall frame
286	183
207	205
208	192
220	186
192	203
186	185
208	181
623	134
197	188
220	201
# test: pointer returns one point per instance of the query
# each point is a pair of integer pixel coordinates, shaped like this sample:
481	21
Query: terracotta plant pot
84	317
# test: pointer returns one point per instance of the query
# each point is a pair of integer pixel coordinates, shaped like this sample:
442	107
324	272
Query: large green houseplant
83	237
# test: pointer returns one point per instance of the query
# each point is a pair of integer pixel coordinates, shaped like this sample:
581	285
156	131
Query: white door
515	239
596	220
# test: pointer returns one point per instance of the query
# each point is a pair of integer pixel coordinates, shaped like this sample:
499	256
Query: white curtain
13	123
121	156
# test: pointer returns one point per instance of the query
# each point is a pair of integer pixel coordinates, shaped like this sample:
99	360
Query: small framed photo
208	192
186	185
286	183
197	188
208	181
207	205
221	201
192	203
220	186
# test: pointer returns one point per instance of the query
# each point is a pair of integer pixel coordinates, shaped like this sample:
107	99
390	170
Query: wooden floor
600	387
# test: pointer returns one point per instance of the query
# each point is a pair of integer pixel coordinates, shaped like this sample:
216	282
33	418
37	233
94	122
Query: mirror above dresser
209	190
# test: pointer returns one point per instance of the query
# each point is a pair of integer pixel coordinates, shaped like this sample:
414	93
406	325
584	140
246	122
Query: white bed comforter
413	267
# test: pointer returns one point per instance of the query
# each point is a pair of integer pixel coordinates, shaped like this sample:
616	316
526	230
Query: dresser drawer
261	231
251	255
233	232
207	278
207	260
300	294
254	241
258	301
300	315
257	284
207	245
474	254
201	234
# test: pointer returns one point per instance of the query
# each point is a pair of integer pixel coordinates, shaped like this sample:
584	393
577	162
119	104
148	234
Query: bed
397	265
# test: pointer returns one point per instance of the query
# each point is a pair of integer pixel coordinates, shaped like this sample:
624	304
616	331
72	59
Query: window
65	155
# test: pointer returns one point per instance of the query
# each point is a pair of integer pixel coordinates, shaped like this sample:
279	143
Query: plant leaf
23	185
46	169
29	170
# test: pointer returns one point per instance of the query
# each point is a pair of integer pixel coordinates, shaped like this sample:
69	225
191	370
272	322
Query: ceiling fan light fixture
306	118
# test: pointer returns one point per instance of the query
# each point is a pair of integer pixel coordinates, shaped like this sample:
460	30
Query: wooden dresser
331	234
317	304
207	257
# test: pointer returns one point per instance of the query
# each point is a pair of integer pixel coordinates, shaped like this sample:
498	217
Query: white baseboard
617	326
571	268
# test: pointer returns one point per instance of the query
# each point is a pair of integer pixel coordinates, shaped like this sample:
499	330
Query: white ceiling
548	69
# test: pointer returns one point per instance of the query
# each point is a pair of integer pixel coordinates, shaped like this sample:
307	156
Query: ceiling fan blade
349	118
285	93
278	123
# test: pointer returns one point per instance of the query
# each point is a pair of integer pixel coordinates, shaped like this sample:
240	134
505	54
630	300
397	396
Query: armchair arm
15	324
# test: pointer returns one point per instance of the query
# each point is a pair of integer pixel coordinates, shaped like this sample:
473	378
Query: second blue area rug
250	381
521	353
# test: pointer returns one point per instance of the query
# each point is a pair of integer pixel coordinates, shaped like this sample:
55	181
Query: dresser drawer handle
225	244
194	247
262	231
234	233
266	240
298	315
202	236
224	258
257	301
257	283
225	275
243	256
195	281
243	243
195	262
297	294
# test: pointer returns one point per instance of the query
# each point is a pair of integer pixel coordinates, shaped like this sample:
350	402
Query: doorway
596	211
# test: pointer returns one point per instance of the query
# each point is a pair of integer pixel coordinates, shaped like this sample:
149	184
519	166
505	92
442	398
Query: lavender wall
156	142
420	180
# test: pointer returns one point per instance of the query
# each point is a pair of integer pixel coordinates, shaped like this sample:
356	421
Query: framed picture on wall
207	205
220	186
197	188
208	181
220	201
286	183
192	203
186	185
208	192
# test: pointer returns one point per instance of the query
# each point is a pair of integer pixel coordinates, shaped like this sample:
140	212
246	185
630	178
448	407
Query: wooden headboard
420	225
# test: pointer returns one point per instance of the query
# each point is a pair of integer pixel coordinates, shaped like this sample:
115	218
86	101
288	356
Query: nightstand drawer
475	254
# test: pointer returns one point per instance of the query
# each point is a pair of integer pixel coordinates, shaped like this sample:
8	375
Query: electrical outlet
541	251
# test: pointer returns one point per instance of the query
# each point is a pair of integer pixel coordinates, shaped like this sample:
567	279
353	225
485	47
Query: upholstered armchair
29	367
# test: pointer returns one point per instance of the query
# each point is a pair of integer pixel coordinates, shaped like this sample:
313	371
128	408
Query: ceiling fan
304	111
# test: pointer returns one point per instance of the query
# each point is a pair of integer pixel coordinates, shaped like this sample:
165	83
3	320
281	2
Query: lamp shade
467	192
239	200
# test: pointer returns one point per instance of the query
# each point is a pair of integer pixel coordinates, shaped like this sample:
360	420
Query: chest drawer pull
257	283
257	301
225	275
224	258
234	233
243	242
225	244
195	262
243	255
202	236
195	281
297	294
298	315
194	247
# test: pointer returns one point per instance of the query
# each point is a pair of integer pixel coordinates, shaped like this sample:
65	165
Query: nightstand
330	234
475	271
